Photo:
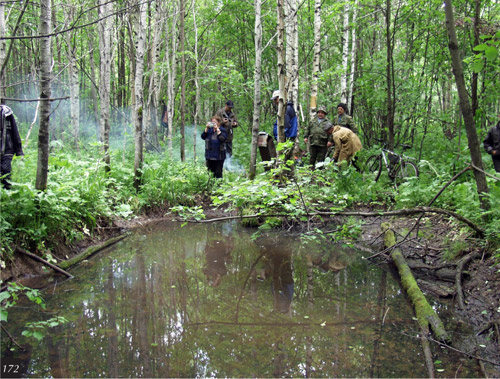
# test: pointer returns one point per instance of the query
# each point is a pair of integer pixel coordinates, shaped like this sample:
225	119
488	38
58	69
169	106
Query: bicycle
398	167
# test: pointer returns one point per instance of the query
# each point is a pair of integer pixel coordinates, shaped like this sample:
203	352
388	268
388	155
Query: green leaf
4	295
491	53
38	335
3	315
481	47
478	65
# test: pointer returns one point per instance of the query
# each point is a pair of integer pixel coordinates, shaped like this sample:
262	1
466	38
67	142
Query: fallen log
46	263
91	251
426	316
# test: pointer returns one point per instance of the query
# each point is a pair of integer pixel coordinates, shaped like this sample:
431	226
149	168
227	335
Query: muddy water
211	301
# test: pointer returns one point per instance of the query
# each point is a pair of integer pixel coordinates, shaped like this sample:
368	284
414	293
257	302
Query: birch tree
281	70
45	93
354	50
74	83
105	51
151	119
292	51
345	54
256	93
465	107
196	80
170	57
316	56
182	37
139	93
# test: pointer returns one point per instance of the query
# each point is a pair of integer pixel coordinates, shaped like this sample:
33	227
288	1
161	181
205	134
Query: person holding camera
215	136
228	122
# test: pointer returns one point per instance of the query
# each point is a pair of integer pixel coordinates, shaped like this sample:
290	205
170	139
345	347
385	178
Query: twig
463	352
484	172
12	338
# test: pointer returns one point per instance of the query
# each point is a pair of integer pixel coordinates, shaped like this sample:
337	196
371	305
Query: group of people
322	134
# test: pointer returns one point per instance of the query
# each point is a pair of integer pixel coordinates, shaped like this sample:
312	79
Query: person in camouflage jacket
317	137
343	119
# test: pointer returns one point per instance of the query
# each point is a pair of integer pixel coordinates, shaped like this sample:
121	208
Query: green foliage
9	299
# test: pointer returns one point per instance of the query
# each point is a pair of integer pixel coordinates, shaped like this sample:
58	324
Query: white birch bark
354	50
313	105
171	52
45	93
345	55
281	70
256	94
196	81
105	76
139	93
292	51
74	83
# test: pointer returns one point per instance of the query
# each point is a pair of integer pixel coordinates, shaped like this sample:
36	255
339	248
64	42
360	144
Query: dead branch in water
458	277
46	263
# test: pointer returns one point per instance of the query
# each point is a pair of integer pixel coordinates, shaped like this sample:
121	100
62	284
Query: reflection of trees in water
153	302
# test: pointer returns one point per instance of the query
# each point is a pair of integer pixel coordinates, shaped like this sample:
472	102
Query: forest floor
434	258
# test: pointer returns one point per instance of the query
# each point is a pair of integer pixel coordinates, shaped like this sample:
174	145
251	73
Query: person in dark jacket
229	122
492	145
215	136
10	144
291	126
343	119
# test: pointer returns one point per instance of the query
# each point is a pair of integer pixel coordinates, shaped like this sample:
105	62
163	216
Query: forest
111	99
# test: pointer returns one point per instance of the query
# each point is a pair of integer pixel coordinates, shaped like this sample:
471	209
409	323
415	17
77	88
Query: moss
424	312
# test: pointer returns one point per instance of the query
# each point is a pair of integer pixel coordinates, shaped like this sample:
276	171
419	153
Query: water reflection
163	303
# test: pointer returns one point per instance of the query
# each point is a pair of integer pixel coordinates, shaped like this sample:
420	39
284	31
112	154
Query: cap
343	106
322	109
327	126
275	94
230	104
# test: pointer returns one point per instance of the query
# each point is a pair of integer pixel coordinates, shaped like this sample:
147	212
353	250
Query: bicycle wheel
373	166
404	171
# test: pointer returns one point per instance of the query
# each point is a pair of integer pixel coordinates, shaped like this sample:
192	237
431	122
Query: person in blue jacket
291	125
215	136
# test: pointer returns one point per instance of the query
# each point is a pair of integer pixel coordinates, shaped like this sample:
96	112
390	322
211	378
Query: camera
211	125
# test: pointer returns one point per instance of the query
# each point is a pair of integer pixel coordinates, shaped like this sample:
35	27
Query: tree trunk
196	82
170	56
256	94
354	50
3	50
316	59
139	94
105	77
475	75
345	55
45	93
183	81
389	78
470	125
281	71
74	83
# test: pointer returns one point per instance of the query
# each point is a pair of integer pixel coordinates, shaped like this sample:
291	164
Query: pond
215	300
